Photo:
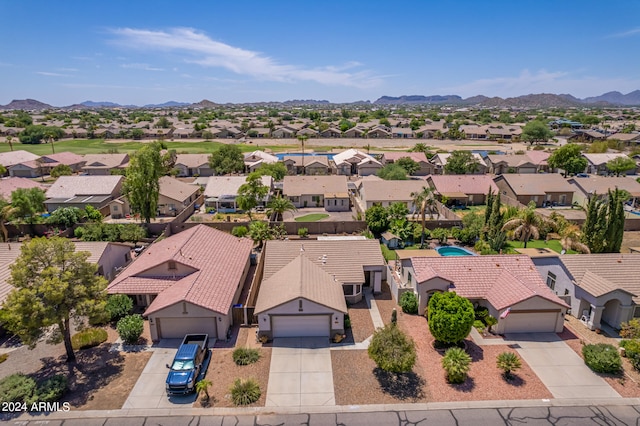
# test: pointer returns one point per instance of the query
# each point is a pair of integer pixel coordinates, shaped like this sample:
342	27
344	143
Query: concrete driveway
561	370
149	391
300	374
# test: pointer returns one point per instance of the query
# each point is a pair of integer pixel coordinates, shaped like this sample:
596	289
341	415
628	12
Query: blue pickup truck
187	364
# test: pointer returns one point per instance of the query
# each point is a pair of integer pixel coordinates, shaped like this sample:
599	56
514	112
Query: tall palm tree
423	200
278	206
526	226
9	141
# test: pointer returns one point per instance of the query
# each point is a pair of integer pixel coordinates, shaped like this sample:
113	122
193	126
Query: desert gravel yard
223	371
575	334
361	323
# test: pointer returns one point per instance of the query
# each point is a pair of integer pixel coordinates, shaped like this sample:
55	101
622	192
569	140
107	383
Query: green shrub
347	321
409	303
490	321
479	325
88	338
245	356
245	391
602	358
17	388
450	317
51	390
481	313
303	232
392	350
508	362
456	362
630	330
239	231
118	306
130	328
632	351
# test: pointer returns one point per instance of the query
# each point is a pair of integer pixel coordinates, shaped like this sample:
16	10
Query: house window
315	198
115	208
172	264
551	280
409	277
347	290
636	312
300	305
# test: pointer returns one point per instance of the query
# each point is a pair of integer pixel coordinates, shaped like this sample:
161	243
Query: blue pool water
306	154
454	251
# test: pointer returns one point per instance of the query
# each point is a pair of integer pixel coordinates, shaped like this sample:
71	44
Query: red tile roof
501	280
464	184
216	258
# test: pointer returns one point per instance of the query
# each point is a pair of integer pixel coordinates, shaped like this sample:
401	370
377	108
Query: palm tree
570	239
423	200
6	211
9	141
203	387
278	206
526	226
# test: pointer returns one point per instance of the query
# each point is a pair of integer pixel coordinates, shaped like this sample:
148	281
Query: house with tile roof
440	161
81	191
462	190
104	164
193	165
426	168
311	165
511	163
188	282
585	187
374	190
253	160
10	184
11	158
43	165
600	288
330	192
597	163
353	162
306	285
173	197
508	285
544	189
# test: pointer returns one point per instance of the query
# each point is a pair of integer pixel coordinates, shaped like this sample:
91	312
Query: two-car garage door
531	322
176	328
300	325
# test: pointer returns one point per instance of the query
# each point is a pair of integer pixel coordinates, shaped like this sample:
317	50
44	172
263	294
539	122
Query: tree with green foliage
6	213
423	201
568	158
66	216
279	205
142	182
228	159
377	219
621	165
53	285
409	165
61	170
260	232
397	211
28	203
92	214
603	228
457	363
461	162
535	132
130	328
251	193
276	170
35	134
392	171
508	362
450	317
392	350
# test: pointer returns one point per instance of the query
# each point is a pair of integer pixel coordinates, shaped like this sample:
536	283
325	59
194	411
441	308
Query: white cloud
543	81
144	67
629	33
52	74
210	53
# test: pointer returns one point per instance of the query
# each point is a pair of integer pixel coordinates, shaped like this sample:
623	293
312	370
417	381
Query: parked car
187	364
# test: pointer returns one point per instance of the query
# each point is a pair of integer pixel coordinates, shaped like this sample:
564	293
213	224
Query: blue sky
141	52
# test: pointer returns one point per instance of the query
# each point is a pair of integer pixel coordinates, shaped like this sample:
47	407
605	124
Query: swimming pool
454	251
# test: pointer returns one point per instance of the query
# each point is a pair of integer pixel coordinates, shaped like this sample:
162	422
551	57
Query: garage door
300	326
531	322
176	328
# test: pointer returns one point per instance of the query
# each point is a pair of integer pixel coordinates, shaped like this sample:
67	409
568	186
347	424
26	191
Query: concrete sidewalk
561	370
300	373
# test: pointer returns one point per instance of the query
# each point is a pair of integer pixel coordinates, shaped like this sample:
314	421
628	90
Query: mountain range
542	100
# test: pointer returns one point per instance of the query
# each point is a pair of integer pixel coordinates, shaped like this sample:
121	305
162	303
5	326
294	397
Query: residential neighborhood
301	247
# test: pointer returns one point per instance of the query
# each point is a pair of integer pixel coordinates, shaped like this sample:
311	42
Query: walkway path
300	374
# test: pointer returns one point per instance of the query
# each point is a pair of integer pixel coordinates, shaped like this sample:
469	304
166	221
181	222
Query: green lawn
388	253
552	244
313	217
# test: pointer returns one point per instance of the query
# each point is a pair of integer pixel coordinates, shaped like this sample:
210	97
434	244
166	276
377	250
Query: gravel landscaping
223	371
361	323
575	334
